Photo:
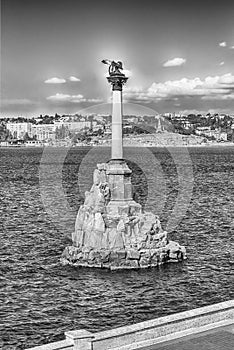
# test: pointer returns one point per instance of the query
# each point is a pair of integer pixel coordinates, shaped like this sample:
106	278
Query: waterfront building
222	136
217	134
44	132
203	130
78	125
4	143
33	143
19	130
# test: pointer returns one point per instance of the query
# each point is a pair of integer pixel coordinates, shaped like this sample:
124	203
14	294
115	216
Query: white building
217	133
223	136
79	125
203	130
18	130
44	132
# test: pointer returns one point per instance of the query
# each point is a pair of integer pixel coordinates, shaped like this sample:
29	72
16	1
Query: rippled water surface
40	193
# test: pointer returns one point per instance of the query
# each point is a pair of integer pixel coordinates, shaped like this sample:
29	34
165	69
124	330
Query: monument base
112	232
123	259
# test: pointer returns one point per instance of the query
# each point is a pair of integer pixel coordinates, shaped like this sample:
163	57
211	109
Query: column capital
117	81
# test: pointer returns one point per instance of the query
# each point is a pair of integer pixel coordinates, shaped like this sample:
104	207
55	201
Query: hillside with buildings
160	130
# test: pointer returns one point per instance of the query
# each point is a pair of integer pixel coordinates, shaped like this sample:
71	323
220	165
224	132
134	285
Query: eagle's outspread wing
107	62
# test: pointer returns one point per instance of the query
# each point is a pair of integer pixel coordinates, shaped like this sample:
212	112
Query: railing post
82	339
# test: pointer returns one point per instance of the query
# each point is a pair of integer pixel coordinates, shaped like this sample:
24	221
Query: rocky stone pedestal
112	232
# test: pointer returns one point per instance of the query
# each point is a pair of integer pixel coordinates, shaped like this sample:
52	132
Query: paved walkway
216	339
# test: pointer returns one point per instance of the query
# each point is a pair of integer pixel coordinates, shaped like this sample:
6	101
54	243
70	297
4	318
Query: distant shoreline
228	144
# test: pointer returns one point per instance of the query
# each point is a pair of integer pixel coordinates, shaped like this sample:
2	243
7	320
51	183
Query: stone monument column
117	82
119	174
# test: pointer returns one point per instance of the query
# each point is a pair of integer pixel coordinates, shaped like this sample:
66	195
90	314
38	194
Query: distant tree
88	139
4	132
47	120
81	137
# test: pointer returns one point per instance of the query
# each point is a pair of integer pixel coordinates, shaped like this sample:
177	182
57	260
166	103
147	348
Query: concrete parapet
166	328
81	339
59	345
149	332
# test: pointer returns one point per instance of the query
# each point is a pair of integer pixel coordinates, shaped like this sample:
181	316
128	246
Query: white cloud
216	87
227	79
219	97
66	98
75	79
232	47
204	112
221	63
177	61
55	80
94	100
223	44
192	111
72	98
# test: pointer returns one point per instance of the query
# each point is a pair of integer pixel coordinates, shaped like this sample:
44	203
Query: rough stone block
91	255
106	266
133	254
146	223
154	260
163	257
120	267
173	256
79	256
114	257
134	264
136	207
145	252
123	210
154	252
65	254
173	247
144	262
144	265
153	265
154	244
97	265
86	256
86	249
145	257
83	264
64	261
121	254
183	251
96	255
105	255
72	253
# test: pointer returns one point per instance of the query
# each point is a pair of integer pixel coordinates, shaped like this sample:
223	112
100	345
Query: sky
179	55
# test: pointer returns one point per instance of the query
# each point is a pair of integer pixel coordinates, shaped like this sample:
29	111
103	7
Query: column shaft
117	137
